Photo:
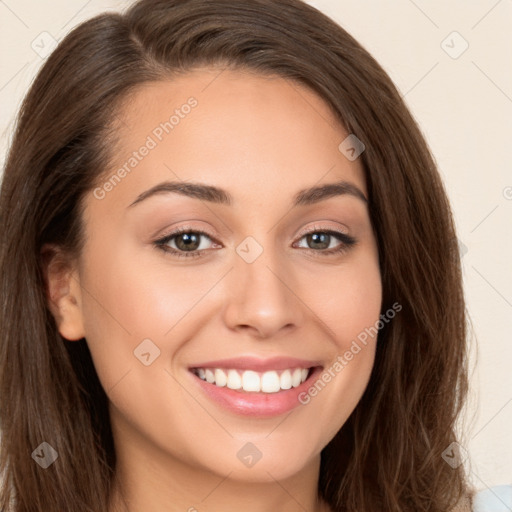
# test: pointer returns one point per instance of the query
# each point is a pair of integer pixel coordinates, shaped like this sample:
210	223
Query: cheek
128	299
347	297
348	303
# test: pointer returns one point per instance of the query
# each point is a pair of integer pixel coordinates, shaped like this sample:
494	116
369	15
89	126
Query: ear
63	292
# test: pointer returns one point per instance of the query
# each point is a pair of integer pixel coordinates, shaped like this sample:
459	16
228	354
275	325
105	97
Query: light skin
262	140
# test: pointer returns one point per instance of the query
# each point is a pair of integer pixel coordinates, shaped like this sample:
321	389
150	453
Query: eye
323	241
187	242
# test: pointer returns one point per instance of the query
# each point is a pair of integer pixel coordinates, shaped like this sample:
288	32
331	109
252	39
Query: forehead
236	129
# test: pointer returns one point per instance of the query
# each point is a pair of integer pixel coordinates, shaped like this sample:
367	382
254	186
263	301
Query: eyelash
347	242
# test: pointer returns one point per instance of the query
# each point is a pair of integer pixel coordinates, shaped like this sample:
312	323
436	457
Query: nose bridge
259	294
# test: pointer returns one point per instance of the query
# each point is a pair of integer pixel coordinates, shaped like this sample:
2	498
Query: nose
262	297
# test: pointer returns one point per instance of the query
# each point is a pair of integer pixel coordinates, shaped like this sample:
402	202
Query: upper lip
258	364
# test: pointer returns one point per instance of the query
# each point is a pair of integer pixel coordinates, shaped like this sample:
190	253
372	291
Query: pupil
319	238
187	240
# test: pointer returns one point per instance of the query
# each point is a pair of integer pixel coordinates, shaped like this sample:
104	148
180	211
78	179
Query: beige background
462	99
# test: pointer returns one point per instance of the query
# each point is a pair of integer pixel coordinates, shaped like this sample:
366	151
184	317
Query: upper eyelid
187	229
315	228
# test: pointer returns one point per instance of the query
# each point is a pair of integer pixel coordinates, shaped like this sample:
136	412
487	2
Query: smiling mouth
251	381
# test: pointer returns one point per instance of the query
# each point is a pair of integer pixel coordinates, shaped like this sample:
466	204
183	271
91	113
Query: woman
309	354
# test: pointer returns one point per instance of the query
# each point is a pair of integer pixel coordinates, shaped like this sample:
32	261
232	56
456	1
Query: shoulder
490	499
493	499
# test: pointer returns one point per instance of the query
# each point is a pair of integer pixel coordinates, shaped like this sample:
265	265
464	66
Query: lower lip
256	404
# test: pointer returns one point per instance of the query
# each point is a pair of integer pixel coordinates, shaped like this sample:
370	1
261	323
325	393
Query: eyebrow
218	195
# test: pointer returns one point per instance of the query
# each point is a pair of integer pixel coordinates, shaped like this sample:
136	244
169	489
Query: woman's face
281	280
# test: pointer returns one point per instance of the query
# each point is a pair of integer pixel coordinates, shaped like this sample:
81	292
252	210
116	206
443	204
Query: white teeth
234	380
270	382
296	377
248	380
220	378
209	376
251	381
286	379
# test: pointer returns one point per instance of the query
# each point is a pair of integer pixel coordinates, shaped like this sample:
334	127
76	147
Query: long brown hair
388	455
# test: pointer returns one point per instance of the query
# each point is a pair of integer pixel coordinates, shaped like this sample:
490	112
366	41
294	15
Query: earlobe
63	292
